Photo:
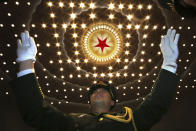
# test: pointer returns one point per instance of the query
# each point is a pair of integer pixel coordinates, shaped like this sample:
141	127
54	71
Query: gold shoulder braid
122	118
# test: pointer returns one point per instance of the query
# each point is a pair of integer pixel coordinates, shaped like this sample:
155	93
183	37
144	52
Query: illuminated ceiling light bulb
77	53
50	4
76	44
83	26
58	53
1	25
52	15
147	17
149	7
139	6
64	26
129	17
9	14
82	5
126	52
60	61
111	16
73	15
61	69
146	27
86	60
69	61
141	60
127	44
48	44
29	3
56	35
95	75
75	35
142	52
51	61
130	6
87	75
61	4
120	26
137	27
77	61
117	74
78	68
70	76
128	35
92	16
54	25
110	74
118	60
57	44
110	81
125	67
125	74
126	60
111	6
12	25
121	6
17	3
155	27
92	5
129	26
134	60
73	25
102	75
110	67
94	68
71	4
44	26
145	36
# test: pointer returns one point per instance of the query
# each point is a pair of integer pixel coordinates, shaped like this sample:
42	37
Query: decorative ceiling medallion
101	43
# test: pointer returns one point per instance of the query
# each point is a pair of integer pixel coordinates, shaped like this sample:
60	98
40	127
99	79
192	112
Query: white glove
169	49
26	49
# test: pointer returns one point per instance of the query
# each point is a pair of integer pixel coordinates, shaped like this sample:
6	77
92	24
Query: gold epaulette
121	118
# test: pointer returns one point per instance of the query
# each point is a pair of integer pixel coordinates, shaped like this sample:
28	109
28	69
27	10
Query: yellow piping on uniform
122	118
123	115
117	118
135	128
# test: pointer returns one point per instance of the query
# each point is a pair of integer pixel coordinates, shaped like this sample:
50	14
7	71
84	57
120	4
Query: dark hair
104	84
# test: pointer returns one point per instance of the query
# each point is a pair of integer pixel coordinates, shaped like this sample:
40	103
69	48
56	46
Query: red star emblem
102	44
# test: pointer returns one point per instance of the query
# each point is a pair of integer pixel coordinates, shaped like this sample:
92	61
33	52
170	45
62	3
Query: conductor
39	114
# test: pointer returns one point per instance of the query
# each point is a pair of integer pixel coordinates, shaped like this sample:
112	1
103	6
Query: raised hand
169	49
26	49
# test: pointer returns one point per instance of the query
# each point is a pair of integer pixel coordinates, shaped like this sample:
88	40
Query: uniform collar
101	114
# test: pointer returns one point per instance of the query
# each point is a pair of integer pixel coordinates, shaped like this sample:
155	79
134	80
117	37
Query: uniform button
101	119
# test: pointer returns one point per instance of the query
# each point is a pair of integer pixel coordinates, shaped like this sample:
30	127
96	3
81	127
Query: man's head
102	95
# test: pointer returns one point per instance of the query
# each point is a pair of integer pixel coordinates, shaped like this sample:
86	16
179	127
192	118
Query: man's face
101	95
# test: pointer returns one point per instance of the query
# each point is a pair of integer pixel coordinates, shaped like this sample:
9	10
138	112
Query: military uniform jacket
39	114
